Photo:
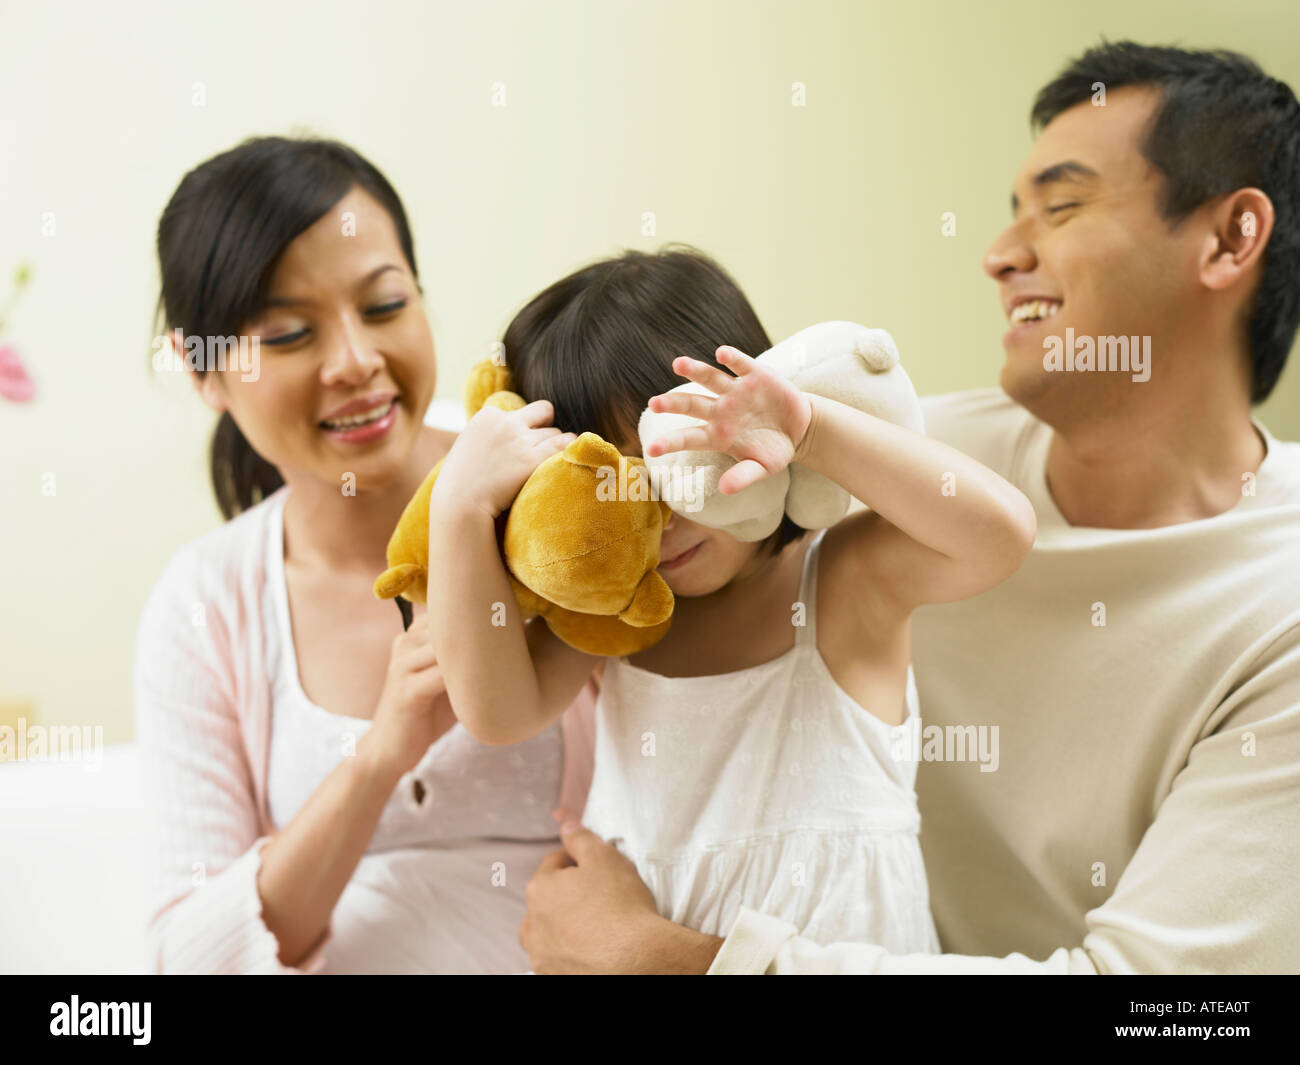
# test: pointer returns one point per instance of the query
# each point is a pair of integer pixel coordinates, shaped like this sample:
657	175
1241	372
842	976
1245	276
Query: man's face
1088	238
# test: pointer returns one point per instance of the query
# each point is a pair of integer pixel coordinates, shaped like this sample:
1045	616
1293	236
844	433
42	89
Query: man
1139	677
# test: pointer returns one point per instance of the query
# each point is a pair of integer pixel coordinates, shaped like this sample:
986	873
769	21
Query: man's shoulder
1282	465
984	423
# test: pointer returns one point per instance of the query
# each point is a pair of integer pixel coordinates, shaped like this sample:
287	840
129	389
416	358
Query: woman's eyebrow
1070	170
290	301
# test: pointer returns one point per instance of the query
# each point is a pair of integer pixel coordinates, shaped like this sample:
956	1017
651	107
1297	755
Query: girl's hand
413	708
756	417
495	454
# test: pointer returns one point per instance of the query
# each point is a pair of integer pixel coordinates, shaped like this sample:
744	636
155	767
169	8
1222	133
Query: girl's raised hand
756	417
495	454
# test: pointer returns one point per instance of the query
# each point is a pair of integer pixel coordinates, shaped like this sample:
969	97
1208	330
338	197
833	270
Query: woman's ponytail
241	478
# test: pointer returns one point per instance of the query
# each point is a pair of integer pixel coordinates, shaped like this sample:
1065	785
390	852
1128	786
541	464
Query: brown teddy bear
584	562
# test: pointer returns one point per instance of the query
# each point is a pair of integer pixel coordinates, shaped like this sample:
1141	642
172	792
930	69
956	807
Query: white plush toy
842	361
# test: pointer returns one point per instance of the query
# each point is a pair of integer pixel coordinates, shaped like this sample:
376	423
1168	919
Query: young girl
746	758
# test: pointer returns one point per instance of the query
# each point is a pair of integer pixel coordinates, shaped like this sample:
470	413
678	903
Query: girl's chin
691	581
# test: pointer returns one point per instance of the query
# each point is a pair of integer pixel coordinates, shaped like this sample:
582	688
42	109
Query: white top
767	787
440	888
1144	688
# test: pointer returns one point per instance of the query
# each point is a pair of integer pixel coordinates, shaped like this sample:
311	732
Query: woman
320	809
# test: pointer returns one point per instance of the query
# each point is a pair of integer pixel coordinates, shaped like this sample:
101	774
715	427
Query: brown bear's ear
407	580
652	603
505	401
591	450
485	378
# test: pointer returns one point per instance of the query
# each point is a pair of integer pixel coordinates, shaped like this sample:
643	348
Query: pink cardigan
203	719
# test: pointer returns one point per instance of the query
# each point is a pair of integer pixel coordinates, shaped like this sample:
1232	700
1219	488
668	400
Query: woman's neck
325	528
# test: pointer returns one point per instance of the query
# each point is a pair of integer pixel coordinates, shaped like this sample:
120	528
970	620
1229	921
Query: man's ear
1243	223
207	384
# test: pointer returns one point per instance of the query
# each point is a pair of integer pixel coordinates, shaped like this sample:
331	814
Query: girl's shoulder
844	545
844	568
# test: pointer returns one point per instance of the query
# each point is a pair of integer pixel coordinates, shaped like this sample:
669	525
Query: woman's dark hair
1221	124
219	239
599	343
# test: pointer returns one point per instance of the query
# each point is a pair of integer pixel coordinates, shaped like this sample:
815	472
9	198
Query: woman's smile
363	420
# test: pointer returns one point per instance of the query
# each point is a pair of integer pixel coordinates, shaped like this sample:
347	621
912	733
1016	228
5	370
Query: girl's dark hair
599	343
219	238
1221	124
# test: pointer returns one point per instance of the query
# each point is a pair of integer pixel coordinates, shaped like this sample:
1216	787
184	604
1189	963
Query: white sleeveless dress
767	787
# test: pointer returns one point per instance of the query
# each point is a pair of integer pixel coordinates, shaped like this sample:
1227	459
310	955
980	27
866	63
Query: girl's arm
951	527
507	681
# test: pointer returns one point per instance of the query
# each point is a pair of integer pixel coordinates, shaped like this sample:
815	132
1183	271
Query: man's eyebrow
285	301
1070	170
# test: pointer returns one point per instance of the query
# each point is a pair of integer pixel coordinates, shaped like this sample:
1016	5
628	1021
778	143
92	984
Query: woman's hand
413	708
495	454
756	417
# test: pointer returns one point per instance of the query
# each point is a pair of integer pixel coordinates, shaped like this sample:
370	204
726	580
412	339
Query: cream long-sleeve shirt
1128	800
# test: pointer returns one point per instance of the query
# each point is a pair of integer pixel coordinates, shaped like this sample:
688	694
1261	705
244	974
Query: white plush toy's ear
688	480
858	367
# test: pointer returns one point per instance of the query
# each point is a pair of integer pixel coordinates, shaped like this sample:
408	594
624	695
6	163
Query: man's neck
1145	472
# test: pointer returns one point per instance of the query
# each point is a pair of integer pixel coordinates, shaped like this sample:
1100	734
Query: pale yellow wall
612	109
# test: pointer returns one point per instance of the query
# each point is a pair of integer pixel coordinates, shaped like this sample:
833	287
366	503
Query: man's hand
589	912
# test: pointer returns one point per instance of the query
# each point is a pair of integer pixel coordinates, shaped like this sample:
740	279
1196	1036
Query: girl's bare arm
951	527
944	527
507	681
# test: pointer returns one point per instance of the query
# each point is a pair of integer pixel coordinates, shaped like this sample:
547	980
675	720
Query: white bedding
76	871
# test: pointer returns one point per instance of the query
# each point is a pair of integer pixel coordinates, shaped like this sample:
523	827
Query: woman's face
347	367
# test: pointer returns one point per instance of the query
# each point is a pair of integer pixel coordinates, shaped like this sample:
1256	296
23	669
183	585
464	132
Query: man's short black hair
1221	124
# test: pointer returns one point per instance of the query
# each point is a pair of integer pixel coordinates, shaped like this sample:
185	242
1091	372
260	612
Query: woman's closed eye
283	339
379	312
385	310
1061	207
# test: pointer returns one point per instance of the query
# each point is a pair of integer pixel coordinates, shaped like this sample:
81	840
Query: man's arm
1210	889
761	945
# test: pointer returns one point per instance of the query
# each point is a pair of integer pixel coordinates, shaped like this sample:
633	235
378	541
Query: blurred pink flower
15	382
